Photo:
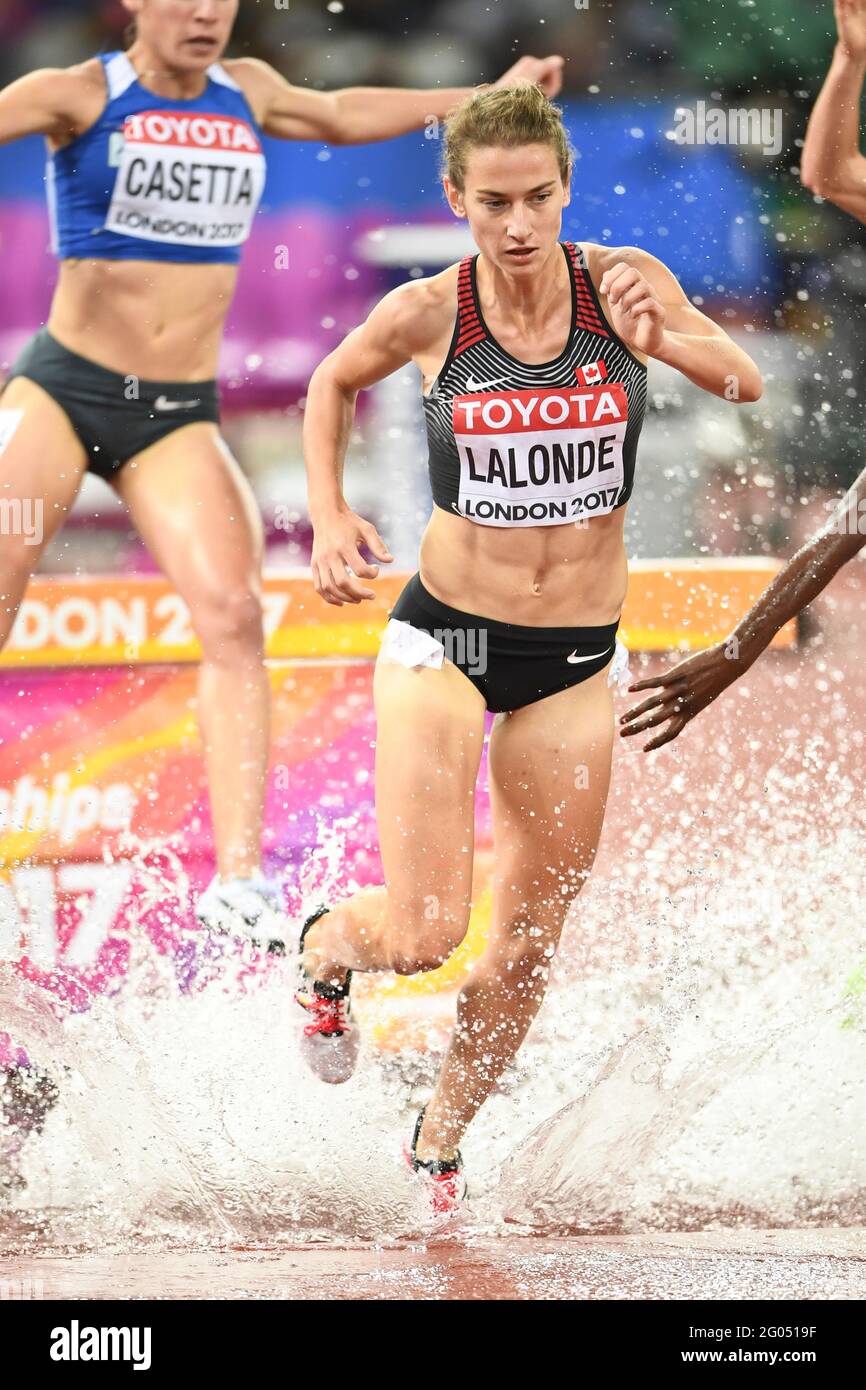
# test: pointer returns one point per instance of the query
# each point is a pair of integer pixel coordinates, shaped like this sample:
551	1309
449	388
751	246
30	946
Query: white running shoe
330	1041
249	909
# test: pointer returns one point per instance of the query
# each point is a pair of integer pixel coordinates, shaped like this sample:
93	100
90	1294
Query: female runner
533	357
155	172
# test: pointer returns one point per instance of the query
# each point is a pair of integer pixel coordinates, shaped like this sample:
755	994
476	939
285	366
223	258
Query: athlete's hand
685	690
337	563
851	26
547	72
636	312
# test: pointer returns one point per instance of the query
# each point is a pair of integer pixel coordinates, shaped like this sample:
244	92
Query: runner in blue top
155	172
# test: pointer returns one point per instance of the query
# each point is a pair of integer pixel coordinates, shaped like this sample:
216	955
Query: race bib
540	458
192	180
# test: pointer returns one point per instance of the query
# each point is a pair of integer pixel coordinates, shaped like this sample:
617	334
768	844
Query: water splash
699	1058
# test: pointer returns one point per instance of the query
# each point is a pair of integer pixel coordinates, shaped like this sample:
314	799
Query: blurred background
782	271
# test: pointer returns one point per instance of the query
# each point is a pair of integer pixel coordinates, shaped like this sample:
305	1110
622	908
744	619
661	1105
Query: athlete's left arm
651	312
357	115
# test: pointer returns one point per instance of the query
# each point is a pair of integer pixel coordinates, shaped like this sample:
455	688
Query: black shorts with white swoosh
114	416
511	665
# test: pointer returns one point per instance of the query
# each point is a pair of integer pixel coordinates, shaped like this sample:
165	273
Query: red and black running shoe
330	1040
443	1179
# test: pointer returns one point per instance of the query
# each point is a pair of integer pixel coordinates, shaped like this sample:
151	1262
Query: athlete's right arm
832	164
402	324
52	101
690	686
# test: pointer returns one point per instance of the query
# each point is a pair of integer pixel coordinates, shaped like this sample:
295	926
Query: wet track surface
822	1264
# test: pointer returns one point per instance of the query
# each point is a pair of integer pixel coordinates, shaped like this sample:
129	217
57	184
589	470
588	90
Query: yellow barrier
99	621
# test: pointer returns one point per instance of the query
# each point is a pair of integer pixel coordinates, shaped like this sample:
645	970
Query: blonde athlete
534	357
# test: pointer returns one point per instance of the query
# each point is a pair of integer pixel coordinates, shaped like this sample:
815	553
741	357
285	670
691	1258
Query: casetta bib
159	180
521	444
192	180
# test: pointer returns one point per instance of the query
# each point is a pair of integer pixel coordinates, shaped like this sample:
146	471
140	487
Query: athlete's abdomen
560	576
160	321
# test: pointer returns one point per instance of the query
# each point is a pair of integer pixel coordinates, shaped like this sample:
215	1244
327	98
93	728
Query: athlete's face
184	35
513	201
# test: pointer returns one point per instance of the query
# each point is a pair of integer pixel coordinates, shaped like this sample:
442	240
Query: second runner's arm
357	115
686	689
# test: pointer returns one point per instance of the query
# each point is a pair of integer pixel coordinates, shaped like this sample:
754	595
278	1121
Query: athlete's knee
419	957
426	944
227	620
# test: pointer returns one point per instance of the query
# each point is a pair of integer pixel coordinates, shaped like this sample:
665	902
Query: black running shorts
510	665
114	416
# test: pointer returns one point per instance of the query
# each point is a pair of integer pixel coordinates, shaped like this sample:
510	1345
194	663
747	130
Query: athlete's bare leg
197	515
549	778
41	469
430	733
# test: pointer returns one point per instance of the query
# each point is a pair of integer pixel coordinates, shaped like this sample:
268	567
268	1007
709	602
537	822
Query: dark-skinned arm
686	689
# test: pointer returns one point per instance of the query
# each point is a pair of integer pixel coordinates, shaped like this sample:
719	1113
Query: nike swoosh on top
575	660
472	385
163	403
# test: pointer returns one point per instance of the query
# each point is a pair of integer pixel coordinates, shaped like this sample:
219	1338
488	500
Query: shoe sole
326	1063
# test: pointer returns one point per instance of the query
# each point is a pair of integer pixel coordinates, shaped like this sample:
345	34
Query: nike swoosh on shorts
574	660
163	403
